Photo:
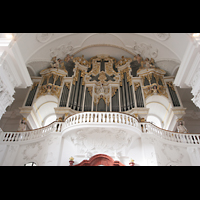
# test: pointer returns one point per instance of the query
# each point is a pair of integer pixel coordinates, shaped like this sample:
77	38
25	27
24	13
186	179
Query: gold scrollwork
170	84
34	85
114	89
136	85
81	60
123	61
127	71
67	85
90	89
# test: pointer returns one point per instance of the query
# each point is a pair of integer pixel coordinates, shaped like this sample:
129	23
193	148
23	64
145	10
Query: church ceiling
162	47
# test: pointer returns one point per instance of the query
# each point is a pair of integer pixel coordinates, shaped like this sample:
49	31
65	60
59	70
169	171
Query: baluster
24	136
28	134
194	139
99	119
72	120
180	138
165	135
19	137
131	121
14	137
10	137
7	136
197	138
120	120
90	119
123	118
135	123
103	117
169	136
115	116
60	127
189	139
76	119
176	137
81	118
95	117
111	117
126	122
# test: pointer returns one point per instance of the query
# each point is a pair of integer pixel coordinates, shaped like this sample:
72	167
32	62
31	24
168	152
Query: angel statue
68	58
138	58
55	63
22	125
181	128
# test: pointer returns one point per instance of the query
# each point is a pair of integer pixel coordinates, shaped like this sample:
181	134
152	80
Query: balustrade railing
30	135
100	118
170	135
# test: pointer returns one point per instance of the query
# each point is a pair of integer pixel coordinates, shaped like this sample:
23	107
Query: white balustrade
30	135
170	135
100	118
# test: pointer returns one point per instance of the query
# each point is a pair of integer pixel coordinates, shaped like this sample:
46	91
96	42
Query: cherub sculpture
55	63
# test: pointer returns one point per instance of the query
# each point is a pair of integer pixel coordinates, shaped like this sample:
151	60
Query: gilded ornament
136	86
34	85
123	61
81	60
170	84
114	89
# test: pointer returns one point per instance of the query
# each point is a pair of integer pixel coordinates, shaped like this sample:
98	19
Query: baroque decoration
162	36
103	77
43	37
94	140
5	98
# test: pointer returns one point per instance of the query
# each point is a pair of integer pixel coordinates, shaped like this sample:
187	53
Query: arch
159	107
31	71
155	120
49	119
44	108
100	159
104	45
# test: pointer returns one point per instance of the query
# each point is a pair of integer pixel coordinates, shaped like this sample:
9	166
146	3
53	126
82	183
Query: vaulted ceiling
167	49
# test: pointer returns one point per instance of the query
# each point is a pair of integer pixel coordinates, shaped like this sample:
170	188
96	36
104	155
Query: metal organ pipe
76	93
